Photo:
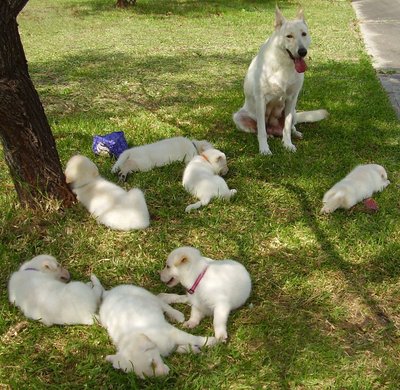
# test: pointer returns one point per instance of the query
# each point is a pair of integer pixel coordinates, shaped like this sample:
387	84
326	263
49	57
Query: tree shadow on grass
189	8
98	85
335	261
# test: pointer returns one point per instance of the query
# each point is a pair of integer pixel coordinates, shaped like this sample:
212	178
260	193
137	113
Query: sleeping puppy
358	185
40	289
135	321
201	178
110	204
213	287
145	157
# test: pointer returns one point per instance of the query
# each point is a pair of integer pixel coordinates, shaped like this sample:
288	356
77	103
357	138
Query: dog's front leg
261	129
173	298
289	121
221	314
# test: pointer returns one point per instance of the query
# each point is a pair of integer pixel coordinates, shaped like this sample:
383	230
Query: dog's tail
311	116
97	287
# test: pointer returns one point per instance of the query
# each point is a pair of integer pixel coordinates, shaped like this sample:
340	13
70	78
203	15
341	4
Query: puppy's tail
97	287
197	205
311	116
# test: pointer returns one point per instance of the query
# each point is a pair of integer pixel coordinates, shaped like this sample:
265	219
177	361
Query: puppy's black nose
302	52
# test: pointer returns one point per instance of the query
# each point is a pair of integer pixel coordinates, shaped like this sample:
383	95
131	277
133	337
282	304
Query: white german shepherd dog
273	82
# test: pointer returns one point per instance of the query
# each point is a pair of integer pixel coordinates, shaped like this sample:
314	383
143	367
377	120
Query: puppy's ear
68	179
300	14
181	260
279	18
46	265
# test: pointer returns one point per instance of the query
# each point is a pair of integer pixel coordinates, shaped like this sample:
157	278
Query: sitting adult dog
273	82
358	185
135	322
213	287
40	289
110	204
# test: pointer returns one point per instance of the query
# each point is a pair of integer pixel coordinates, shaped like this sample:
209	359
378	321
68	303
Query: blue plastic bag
112	144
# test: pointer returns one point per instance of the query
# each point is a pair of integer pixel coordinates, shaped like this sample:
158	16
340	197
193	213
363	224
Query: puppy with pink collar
214	287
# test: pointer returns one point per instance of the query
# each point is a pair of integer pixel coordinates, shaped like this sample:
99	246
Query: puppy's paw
122	176
326	210
221	335
176	315
188	349
233	192
190	324
210	341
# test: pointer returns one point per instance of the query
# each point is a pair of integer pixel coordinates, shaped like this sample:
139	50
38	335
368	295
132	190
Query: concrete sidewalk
380	27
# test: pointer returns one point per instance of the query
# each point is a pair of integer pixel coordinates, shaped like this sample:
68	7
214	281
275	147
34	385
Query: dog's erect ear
181	260
279	18
300	14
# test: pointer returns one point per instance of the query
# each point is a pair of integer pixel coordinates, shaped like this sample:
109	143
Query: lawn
324	311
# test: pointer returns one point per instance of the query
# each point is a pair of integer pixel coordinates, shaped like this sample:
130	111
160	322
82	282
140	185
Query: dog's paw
177	316
290	147
221	336
122	176
188	348
326	210
297	134
210	341
265	151
190	324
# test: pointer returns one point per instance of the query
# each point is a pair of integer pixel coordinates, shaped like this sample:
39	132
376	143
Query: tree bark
29	147
125	3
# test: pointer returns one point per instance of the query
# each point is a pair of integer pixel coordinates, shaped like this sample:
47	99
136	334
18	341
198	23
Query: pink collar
197	281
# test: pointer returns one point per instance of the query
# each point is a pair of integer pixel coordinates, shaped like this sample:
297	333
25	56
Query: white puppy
135	322
358	185
110	204
40	290
201	179
213	287
145	157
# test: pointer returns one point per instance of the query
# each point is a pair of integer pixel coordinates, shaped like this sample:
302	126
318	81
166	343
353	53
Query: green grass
324	311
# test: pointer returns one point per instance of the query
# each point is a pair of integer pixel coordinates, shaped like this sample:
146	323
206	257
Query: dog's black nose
302	52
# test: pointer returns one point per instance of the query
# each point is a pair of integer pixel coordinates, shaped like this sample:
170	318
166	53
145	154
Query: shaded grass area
324	309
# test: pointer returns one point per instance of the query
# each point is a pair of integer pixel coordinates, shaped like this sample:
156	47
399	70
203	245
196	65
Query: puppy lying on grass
213	287
201	178
358	185
135	322
110	204
40	289
145	157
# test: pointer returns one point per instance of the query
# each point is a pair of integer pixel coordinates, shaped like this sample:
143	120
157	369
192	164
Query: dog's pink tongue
300	65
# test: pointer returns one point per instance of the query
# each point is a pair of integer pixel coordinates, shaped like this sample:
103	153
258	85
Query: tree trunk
125	3
29	147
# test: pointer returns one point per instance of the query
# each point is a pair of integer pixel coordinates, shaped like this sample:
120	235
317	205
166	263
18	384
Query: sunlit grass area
324	312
